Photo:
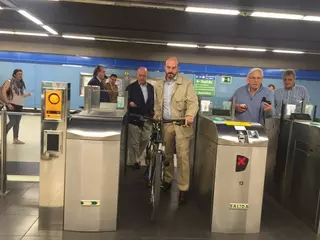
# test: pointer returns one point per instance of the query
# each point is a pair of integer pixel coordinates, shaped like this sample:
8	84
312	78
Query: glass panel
23	153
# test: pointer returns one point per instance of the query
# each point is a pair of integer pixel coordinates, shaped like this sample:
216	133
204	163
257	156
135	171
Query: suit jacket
184	101
143	108
104	96
112	91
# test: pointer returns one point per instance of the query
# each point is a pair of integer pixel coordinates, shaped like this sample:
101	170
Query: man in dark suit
141	101
97	80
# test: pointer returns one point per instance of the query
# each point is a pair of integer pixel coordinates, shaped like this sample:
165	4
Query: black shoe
136	166
183	197
165	186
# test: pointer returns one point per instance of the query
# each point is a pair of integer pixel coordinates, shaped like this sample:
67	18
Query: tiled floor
19	218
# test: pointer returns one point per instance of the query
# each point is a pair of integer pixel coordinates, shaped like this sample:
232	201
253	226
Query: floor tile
11	237
22	210
35	232
43	238
16	224
31	193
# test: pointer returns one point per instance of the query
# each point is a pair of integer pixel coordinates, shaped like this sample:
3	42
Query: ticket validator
54	115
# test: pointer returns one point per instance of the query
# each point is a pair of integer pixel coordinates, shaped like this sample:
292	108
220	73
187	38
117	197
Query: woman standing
14	99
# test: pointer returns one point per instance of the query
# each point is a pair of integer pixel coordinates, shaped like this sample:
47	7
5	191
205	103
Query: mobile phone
266	101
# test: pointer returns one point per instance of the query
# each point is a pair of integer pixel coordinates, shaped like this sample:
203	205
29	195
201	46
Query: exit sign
226	80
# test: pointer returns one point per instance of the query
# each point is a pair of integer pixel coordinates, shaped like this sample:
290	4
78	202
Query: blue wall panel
48	67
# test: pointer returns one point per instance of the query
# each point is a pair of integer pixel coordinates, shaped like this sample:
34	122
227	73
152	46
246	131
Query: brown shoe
183	197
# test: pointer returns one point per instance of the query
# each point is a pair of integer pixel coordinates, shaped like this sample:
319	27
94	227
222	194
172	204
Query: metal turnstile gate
229	173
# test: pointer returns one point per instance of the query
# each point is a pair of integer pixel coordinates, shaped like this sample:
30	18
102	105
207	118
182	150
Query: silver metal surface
223	134
302	179
92	171
3	162
52	166
220	188
91	97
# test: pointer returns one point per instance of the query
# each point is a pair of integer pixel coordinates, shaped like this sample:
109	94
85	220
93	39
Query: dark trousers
14	121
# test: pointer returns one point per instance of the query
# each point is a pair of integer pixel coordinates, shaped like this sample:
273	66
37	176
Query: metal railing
3	160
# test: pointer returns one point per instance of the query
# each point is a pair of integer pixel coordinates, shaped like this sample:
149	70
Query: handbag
5	94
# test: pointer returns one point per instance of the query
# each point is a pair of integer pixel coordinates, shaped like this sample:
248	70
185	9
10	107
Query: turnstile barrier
229	173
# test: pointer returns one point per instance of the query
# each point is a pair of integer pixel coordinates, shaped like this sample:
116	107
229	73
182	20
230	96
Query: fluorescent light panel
312	18
30	17
6	32
251	49
220	47
78	37
182	45
32	34
212	11
277	15
288	51
50	30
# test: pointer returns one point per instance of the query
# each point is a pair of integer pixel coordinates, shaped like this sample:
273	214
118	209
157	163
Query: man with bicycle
175	99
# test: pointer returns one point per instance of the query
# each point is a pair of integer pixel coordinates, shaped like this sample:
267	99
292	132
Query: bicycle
155	153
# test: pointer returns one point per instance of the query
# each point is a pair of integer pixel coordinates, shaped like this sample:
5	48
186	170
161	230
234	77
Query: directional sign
205	85
226	80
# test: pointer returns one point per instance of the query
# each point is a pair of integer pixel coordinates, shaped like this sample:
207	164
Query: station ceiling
160	21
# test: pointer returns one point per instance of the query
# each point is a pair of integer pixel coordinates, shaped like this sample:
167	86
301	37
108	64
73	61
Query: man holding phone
254	102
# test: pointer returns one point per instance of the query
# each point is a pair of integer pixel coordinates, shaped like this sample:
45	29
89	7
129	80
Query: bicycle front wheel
156	186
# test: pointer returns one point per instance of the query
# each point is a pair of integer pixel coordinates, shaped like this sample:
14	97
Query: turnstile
302	173
92	171
229	173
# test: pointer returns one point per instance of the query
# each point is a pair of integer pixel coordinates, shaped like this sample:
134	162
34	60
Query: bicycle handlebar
143	118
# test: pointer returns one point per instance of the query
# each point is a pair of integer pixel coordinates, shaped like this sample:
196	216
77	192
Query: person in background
176	98
141	102
14	96
272	87
112	88
254	101
291	93
97	80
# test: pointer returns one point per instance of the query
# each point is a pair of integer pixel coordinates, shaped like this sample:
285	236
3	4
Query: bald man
141	101
176	99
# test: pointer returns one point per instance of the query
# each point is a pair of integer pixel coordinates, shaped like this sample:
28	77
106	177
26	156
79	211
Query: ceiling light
220	47
312	18
151	43
277	15
30	17
50	30
6	32
288	51
251	49
32	34
1	8
78	37
182	45
70	65
212	11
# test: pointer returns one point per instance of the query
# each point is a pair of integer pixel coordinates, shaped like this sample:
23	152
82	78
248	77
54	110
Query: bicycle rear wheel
156	186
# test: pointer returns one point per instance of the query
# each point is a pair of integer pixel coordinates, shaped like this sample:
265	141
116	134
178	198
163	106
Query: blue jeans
14	121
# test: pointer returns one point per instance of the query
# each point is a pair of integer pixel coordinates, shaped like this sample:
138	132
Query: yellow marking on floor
22	178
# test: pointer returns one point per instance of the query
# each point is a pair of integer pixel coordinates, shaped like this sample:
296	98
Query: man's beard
170	75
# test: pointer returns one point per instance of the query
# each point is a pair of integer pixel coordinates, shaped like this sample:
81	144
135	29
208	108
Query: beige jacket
184	101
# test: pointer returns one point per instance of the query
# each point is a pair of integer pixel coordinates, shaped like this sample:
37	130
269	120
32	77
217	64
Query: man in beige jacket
175	99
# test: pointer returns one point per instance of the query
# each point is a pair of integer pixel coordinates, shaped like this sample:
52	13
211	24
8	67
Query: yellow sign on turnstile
53	106
244	124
